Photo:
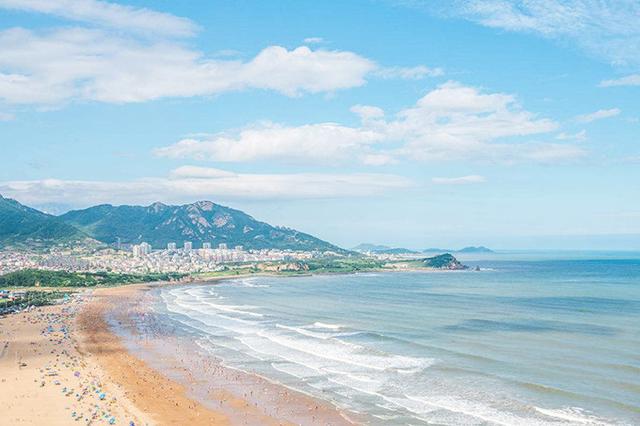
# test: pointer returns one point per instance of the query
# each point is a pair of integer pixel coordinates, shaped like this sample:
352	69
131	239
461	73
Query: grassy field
46	278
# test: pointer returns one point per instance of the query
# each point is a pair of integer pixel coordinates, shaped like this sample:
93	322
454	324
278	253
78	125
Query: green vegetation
21	224
31	298
43	278
229	271
204	221
342	265
442	261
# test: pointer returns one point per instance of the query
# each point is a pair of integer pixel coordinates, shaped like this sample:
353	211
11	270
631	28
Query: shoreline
244	398
70	356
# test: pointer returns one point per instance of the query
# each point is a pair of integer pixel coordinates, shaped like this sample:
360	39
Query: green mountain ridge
203	221
20	224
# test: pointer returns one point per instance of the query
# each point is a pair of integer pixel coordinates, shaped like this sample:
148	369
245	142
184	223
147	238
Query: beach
46	377
63	364
547	343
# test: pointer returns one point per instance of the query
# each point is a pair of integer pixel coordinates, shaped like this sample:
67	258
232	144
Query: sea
532	338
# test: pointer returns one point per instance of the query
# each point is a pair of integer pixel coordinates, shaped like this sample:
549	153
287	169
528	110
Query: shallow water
522	342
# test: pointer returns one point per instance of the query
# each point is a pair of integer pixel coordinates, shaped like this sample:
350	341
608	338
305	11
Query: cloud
463	180
605	29
630	80
579	136
451	122
324	143
454	122
367	112
313	40
188	183
109	15
63	65
408	73
598	115
112	59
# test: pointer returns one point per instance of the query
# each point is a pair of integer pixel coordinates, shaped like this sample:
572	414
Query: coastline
240	397
70	356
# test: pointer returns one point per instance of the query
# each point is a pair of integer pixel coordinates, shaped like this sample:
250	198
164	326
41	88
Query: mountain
380	249
396	250
204	221
20	224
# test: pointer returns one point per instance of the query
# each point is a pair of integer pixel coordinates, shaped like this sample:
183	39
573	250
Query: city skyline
391	122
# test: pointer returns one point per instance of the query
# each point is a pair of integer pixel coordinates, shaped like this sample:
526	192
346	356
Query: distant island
470	249
382	249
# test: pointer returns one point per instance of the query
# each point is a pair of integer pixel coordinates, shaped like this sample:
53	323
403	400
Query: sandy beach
64	364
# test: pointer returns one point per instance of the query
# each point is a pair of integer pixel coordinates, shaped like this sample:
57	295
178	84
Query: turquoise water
521	342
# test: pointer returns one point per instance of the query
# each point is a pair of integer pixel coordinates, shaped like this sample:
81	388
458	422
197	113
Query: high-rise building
222	246
171	246
206	246
141	249
145	248
188	246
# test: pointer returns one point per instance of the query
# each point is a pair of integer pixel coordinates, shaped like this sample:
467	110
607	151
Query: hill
203	221
479	249
20	224
443	261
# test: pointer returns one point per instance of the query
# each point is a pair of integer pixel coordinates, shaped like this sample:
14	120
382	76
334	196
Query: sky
506	123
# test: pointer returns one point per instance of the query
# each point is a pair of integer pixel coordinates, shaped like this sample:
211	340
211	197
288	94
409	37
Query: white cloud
303	69
579	136
630	80
112	59
324	143
451	122
190	182
367	112
84	64
108	14
409	73
313	40
607	29
598	115
456	122
462	180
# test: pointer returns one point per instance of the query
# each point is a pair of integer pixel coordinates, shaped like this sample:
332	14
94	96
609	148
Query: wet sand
243	398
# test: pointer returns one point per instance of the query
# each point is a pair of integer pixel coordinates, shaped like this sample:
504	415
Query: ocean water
521	342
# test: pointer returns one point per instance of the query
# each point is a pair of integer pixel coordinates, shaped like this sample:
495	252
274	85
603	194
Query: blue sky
512	124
